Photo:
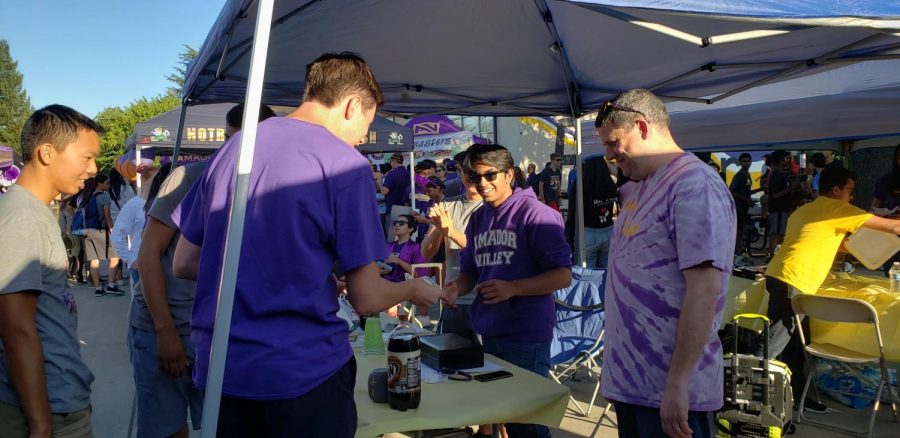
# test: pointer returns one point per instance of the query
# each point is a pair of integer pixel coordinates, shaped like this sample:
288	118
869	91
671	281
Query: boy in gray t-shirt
159	337
45	387
449	220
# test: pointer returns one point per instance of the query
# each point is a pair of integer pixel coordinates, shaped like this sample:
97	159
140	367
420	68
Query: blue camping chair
578	336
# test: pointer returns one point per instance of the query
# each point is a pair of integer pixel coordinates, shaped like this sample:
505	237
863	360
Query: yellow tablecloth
748	296
860	337
523	398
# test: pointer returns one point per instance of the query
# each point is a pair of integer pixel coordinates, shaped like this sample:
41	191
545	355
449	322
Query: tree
177	78
119	123
15	105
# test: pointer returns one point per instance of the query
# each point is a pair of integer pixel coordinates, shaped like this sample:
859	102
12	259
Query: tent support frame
235	230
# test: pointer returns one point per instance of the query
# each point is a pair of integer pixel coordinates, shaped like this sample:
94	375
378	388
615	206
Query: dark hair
777	158
554	156
410	220
90	186
155	185
492	155
334	75
436	182
235	116
116	183
460	161
55	124
425	164
519	175
834	177
745	155
818	160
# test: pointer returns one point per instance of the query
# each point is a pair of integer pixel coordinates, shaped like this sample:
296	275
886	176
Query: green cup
373	342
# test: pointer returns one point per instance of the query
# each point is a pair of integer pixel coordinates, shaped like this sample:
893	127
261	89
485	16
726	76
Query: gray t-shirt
460	210
35	260
102	200
180	292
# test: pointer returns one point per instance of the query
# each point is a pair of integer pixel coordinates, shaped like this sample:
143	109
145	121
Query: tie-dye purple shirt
681	216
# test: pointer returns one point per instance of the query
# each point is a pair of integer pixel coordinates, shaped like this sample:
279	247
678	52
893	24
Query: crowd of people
314	229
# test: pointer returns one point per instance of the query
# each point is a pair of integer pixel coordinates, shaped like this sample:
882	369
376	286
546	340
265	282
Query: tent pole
137	162
178	136
412	178
579	201
235	231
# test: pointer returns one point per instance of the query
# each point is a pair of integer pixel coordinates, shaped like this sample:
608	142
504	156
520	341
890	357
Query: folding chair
578	336
842	310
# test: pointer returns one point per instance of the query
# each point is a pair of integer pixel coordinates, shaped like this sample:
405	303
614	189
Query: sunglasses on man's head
475	178
401	223
607	109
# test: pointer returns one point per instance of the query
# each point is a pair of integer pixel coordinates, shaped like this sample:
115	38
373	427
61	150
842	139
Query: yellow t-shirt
814	234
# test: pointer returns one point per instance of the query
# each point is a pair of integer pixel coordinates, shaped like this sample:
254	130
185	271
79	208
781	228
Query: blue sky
99	53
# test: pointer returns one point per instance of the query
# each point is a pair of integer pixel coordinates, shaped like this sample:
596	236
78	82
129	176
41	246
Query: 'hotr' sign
205	134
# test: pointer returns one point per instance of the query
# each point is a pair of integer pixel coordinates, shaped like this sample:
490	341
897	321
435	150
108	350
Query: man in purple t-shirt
290	369
516	255
670	262
395	186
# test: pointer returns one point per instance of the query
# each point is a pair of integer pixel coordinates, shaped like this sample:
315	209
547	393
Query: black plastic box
451	351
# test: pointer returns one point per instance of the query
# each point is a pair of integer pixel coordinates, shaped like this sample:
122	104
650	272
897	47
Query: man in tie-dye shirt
670	262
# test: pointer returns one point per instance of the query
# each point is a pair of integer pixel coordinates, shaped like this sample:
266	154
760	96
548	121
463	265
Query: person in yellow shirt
813	237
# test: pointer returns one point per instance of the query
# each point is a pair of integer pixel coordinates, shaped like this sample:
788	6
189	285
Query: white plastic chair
842	310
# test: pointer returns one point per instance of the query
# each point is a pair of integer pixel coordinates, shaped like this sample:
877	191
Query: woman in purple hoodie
516	256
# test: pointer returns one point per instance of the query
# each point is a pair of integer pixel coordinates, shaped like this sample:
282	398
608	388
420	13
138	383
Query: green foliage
177	78
119	123
15	106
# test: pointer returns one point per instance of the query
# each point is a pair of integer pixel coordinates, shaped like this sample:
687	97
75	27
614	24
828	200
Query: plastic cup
373	342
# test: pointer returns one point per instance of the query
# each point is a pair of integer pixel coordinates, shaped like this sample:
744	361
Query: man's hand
441	218
425	294
674	412
495	291
451	291
170	353
420	219
393	259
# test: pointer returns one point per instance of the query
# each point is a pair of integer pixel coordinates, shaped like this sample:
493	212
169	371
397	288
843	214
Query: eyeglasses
439	170
475	178
401	223
457	375
557	159
606	110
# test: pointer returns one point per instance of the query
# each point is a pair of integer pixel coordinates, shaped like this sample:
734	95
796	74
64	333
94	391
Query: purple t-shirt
311	201
410	252
520	239
397	182
681	216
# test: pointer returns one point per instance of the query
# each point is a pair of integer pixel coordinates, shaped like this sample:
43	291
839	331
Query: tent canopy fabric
204	130
552	57
847	103
387	136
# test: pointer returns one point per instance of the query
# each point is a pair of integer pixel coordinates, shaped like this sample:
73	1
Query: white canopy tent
516	57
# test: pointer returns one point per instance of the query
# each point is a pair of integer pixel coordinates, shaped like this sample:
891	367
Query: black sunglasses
475	178
608	108
401	223
457	375
557	159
